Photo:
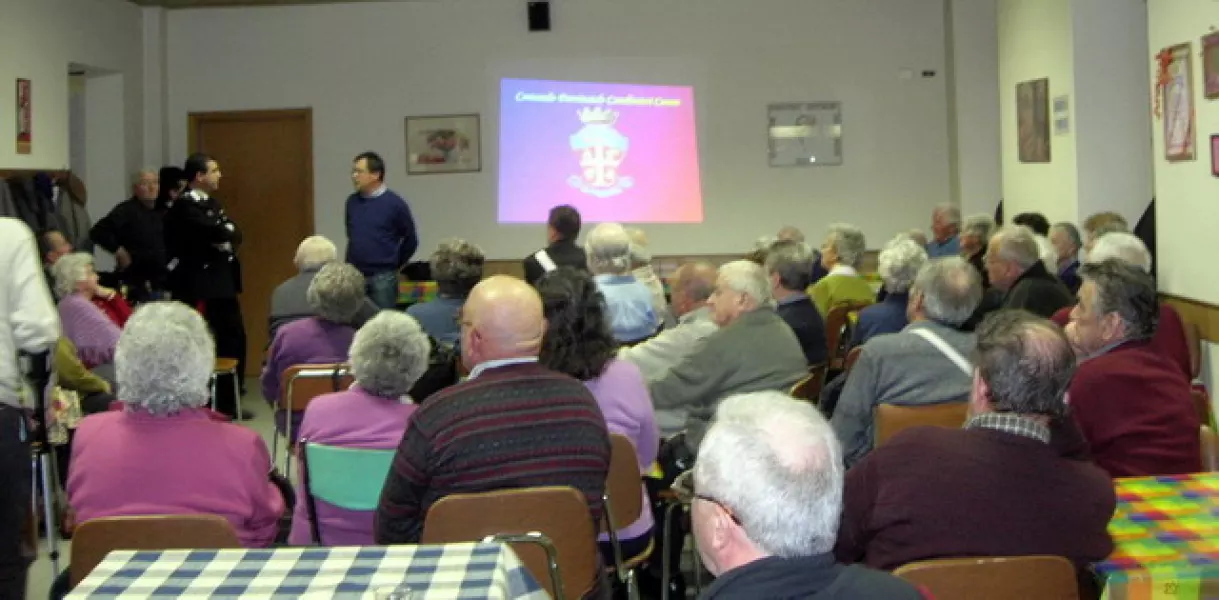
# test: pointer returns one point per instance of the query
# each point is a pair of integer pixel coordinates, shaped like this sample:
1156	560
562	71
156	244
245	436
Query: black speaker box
539	16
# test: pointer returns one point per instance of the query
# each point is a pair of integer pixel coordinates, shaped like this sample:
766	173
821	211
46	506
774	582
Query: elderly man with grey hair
1016	269
457	266
336	295
134	232
165	454
923	364
899	263
1067	243
842	254
289	302
629	302
999	486
789	265
388	355
767	495
945	231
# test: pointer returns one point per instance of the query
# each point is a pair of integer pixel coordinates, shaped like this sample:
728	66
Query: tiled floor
41	573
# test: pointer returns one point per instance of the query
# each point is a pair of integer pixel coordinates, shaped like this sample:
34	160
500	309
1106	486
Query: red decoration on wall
1163	60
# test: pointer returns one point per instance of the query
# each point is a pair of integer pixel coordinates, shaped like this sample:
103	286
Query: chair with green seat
348	478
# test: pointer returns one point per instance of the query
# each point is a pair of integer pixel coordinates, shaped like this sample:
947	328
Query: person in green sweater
842	253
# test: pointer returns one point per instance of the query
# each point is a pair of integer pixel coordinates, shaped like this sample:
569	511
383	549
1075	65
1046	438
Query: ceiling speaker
539	16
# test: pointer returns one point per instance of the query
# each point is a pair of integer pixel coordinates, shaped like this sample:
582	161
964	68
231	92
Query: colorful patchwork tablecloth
414	292
1166	537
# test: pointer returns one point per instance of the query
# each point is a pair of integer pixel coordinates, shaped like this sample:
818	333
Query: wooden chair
1210	448
852	358
623	506
809	388
298	386
892	419
837	330
227	366
349	478
1014	578
96	538
549	528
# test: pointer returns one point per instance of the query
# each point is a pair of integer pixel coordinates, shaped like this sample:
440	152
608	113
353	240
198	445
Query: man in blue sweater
380	230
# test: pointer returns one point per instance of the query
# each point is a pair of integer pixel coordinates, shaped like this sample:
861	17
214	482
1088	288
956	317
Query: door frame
196	119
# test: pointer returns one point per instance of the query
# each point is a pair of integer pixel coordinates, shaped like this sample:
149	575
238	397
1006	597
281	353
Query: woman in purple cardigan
84	324
578	343
336	296
389	353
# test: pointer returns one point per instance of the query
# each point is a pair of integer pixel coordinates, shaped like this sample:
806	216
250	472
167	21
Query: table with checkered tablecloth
442	571
1166	539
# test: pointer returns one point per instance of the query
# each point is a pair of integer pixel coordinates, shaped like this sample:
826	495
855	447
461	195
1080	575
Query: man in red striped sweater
512	424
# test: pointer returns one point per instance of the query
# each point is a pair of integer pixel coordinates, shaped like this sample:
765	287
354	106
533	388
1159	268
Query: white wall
1186	209
975	104
363	67
1035	41
38	38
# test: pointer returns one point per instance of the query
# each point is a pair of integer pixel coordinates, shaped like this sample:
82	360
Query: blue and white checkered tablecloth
443	571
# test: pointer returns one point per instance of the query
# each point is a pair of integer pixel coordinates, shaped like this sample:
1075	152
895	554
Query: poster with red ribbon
25	120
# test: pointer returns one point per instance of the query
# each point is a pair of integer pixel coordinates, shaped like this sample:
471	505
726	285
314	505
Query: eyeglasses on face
683	485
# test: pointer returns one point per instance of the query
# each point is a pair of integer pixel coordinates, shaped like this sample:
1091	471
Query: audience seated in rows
975	237
767	492
89	327
788	264
562	229
631	314
842	254
1067	244
754	350
996	487
547	427
388	355
164	454
290	300
690	287
1131	402
945	231
923	364
1015	268
457	266
578	343
1169	339
336	295
898	264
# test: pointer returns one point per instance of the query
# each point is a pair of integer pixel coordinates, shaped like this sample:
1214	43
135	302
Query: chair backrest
349	478
852	358
1210	448
560	513
1014	578
837	328
96	538
1202	404
892	419
809	388
624	485
302	383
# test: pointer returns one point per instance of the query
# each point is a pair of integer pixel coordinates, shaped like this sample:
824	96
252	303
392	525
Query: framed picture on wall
1210	65
1033	120
25	118
1177	98
1215	155
443	144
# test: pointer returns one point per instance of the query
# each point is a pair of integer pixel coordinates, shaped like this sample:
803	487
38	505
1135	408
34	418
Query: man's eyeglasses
683	486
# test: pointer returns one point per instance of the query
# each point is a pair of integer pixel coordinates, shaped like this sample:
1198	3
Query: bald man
512	424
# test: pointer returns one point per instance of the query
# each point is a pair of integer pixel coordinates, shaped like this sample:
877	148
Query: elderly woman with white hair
388	355
632	316
336	296
89	327
457	266
164	454
290	302
842	253
641	268
899	263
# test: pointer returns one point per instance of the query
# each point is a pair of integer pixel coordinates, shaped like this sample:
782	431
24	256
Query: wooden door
266	186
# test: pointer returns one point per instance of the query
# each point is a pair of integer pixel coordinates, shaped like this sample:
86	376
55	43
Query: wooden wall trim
1203	314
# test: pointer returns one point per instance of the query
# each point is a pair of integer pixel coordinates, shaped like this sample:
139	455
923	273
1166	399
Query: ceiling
218	3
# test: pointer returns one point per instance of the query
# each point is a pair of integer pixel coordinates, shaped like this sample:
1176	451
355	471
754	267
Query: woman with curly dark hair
578	343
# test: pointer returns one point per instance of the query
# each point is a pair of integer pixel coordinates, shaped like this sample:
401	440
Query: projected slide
616	152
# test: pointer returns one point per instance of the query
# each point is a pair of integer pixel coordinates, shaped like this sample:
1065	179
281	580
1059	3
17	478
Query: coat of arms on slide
601	150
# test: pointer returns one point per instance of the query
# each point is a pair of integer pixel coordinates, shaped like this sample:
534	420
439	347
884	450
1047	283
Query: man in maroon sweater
512	424
996	487
1131	402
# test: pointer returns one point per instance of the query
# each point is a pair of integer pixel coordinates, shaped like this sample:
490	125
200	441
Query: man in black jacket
204	272
1013	262
562	229
134	233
